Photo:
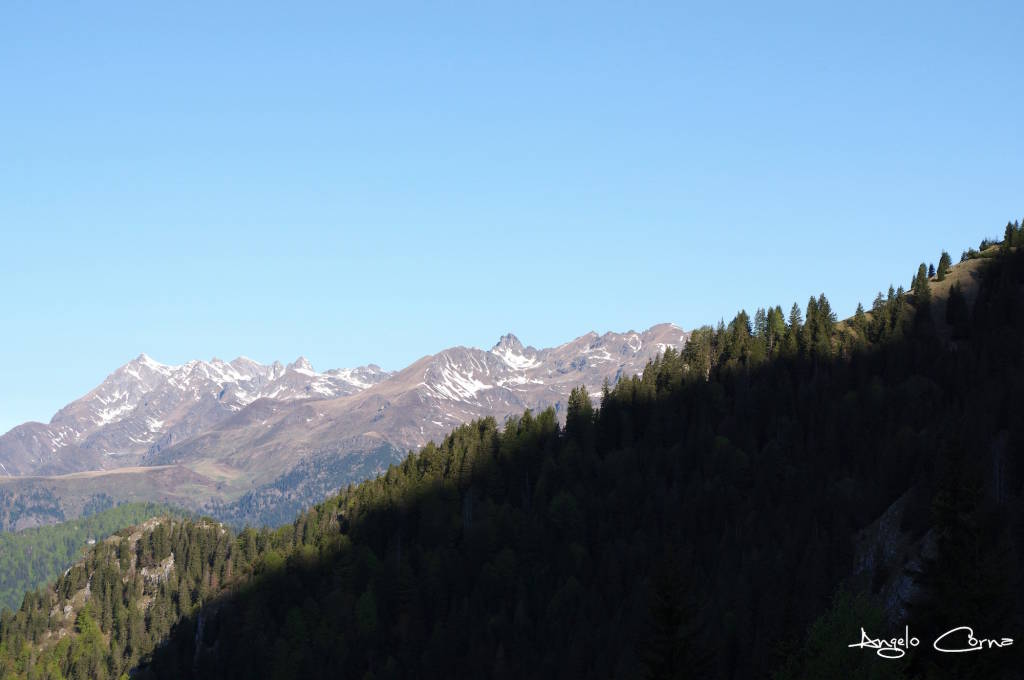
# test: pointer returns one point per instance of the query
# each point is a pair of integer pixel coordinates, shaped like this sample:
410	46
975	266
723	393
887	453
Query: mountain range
206	434
746	507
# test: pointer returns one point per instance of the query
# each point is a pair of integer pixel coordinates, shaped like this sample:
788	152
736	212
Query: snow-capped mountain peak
302	365
362	377
146	403
147	412
510	350
508	342
153	365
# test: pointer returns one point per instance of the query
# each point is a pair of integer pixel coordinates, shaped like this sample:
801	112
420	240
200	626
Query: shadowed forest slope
696	525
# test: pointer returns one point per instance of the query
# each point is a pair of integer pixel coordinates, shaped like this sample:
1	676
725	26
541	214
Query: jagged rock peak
507	342
301	364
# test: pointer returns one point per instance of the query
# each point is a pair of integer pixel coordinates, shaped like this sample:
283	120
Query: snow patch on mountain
302	365
110	415
516	361
511	351
456	386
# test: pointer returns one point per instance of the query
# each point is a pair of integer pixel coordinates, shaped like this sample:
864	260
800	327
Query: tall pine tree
945	262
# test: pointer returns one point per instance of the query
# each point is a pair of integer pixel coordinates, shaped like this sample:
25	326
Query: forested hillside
34	557
705	522
34	505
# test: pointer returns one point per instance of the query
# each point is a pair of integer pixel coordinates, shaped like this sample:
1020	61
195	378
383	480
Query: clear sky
209	179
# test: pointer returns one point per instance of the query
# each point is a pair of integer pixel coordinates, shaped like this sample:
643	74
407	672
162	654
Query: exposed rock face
887	555
154	576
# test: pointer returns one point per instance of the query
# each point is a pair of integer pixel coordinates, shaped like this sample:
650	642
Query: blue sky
212	179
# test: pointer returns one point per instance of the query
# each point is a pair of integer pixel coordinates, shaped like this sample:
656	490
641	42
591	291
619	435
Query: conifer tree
761	324
791	340
957	314
878	306
922	295
697	353
860	319
945	262
796	318
776	328
671	650
807	333
826	317
579	418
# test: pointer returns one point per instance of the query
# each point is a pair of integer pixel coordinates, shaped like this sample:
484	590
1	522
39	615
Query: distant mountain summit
512	352
224	429
422	402
146	403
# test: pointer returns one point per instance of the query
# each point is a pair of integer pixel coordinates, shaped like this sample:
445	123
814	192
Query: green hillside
34	557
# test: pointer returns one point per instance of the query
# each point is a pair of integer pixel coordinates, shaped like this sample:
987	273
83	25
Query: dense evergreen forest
32	503
34	557
311	480
705	522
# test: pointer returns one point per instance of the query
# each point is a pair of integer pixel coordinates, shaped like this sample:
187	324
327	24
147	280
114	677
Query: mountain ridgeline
718	516
251	443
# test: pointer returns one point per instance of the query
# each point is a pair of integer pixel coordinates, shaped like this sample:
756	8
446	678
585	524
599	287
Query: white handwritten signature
954	641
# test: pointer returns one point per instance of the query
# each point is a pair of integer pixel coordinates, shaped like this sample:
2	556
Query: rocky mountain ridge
211	434
146	404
